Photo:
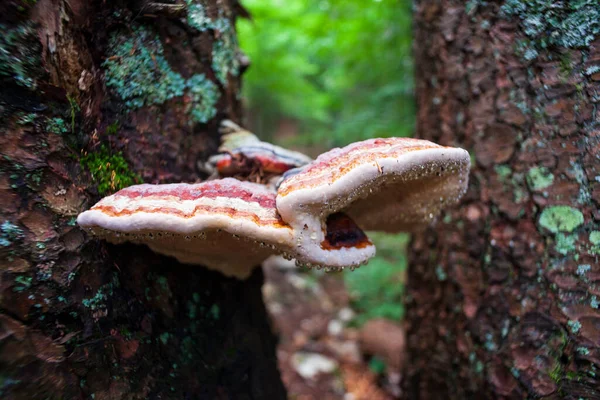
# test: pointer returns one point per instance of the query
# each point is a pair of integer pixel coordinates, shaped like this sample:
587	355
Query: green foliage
140	75
377	287
110	172
550	23
377	365
342	68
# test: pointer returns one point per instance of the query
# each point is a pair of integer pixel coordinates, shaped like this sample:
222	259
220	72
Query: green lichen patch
57	126
140	75
576	170
225	49
574	326
539	178
224	57
549	23
9	233
204	96
110	172
98	301
197	17
560	219
503	172
20	55
565	244
595	242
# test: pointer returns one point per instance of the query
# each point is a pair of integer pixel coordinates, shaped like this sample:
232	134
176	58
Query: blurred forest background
318	80
315	66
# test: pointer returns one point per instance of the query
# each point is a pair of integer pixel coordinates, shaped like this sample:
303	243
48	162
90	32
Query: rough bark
503	294
96	95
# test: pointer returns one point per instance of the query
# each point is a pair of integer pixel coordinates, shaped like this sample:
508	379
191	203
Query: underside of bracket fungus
243	154
391	185
226	225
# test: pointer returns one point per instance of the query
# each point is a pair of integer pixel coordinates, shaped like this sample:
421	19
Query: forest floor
331	345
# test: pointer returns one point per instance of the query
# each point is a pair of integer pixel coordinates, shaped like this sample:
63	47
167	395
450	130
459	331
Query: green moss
110	172
140	75
539	178
113	128
560	219
20	55
556	373
549	23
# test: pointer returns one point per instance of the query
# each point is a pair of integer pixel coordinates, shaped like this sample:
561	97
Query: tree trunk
98	95
504	293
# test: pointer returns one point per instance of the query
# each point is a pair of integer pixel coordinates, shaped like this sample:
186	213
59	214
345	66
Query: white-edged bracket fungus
226	225
391	185
244	154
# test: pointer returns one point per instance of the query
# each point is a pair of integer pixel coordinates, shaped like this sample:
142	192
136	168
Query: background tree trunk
504	294
97	95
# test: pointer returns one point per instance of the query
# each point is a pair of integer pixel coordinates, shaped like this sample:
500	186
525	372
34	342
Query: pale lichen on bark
517	309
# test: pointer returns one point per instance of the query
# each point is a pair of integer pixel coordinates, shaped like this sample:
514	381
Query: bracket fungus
315	215
244	154
391	185
226	225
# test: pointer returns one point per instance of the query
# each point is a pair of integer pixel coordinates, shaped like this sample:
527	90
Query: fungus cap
226	225
392	184
242	152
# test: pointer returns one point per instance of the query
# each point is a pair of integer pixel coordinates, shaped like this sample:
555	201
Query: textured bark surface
96	95
504	293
